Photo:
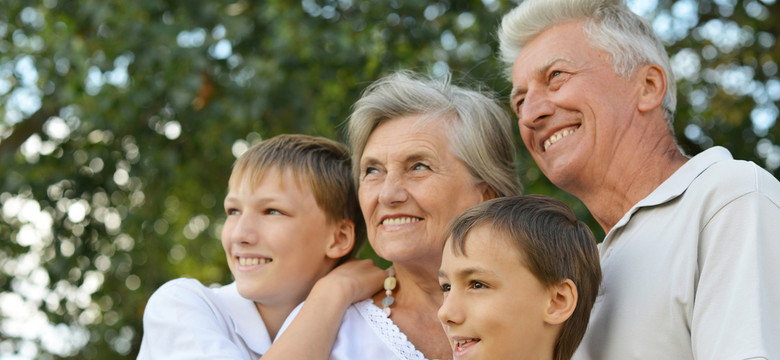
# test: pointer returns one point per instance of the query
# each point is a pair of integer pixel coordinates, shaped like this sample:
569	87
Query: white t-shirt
693	270
186	320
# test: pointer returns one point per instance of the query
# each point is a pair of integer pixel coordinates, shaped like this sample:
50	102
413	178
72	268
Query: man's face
572	108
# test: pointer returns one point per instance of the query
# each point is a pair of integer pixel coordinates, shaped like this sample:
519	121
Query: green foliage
121	120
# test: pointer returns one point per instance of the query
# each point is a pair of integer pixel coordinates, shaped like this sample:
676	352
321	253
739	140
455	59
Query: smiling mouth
249	261
400	220
558	136
460	345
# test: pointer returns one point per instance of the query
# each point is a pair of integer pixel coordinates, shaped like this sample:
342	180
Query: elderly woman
423	151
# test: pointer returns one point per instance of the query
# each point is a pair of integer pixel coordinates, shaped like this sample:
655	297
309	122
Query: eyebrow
539	71
417	155
467	271
262	200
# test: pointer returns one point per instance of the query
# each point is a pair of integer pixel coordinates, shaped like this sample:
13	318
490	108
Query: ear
652	82
487	192
342	241
563	301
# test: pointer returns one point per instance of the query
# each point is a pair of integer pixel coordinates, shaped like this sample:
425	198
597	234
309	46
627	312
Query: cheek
468	196
227	231
527	136
366	198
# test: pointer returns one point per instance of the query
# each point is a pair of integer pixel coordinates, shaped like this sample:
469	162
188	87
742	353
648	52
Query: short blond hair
319	163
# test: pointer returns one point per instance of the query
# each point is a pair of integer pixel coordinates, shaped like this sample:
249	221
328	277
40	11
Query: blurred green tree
121	119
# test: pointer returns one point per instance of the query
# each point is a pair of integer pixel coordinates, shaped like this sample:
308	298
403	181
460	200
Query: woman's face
411	185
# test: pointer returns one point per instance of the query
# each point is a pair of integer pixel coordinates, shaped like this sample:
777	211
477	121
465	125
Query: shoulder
729	179
184	319
183	296
179	290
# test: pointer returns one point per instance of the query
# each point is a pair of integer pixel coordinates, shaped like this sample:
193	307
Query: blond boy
292	216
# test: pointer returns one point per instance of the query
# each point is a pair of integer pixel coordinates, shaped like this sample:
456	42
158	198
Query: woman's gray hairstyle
611	26
480	130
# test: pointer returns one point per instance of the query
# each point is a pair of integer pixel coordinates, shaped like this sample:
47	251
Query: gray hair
479	129
610	25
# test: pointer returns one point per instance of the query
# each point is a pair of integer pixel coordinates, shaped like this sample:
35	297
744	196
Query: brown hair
553	245
322	164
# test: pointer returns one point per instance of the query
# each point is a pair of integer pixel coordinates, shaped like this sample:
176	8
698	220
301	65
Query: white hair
611	27
479	129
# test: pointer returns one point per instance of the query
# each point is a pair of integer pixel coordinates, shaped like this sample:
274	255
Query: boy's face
275	238
493	306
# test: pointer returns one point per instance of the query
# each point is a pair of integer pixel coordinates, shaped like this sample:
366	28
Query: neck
274	317
629	177
417	287
275	310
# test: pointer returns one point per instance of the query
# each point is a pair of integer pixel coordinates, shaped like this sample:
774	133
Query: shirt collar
247	322
676	184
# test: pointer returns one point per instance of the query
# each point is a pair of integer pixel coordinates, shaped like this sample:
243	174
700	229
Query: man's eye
555	73
518	105
445	287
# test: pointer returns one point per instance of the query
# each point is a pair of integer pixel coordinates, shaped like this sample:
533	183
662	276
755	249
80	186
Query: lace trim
388	331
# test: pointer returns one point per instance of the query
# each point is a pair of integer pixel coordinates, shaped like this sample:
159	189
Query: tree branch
26	128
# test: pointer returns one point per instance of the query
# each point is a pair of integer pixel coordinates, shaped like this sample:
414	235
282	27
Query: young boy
292	216
519	275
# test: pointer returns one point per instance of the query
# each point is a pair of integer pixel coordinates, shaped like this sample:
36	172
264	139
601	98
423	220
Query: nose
393	189
450	311
536	107
244	231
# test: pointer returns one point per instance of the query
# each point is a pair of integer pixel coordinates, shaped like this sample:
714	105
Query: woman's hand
313	331
355	280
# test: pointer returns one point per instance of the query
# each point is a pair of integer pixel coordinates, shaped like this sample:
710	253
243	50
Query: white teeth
463	342
557	136
252	261
399	221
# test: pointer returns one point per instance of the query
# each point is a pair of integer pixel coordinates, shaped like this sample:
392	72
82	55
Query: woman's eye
445	287
420	166
370	170
232	212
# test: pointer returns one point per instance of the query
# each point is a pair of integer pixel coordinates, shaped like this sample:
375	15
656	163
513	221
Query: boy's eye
445	287
476	284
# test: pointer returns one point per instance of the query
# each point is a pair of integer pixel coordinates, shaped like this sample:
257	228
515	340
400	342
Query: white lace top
366	333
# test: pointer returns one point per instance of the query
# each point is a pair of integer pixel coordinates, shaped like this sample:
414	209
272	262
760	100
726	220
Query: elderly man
691	259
